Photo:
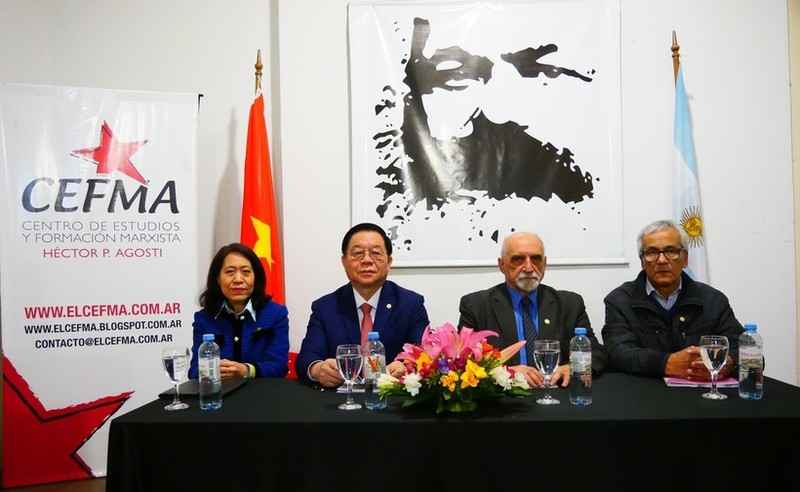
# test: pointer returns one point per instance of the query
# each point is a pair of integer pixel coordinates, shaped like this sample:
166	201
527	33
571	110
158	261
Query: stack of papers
728	382
357	388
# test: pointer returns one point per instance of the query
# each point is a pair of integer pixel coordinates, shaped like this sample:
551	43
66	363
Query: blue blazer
265	340
400	318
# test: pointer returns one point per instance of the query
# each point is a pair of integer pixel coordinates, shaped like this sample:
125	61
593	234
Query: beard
527	282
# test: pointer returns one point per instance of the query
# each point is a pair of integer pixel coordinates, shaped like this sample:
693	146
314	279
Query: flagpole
676	57
259	66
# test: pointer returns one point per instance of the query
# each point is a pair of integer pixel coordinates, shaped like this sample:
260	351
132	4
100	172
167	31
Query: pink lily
455	343
510	351
411	352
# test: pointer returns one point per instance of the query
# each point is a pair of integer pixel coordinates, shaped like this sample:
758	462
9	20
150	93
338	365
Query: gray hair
662	225
519	233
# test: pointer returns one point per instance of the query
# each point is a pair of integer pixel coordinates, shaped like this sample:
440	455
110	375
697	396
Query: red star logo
42	445
113	155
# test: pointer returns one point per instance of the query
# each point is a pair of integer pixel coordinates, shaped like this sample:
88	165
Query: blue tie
528	327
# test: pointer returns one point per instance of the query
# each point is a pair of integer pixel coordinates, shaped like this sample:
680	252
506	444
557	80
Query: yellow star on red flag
263	245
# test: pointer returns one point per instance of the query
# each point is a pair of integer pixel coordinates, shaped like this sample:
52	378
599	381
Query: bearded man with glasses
368	302
654	323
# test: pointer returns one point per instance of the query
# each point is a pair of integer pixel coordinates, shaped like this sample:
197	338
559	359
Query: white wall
736	69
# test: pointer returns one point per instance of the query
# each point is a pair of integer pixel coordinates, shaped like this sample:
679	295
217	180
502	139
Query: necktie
366	322
528	327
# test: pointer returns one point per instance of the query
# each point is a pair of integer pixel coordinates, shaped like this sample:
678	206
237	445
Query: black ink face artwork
499	159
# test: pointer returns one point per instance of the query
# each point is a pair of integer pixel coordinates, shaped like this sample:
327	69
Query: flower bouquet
454	369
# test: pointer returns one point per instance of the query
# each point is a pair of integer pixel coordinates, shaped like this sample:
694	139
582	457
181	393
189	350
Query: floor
88	485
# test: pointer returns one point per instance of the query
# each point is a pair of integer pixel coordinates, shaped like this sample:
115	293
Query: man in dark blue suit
337	318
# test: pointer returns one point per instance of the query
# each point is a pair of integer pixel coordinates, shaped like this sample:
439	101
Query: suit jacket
560	312
400	318
265	340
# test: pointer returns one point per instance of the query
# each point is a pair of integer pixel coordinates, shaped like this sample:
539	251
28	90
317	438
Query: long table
638	434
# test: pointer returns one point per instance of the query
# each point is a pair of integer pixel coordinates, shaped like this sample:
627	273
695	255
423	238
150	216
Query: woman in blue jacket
251	330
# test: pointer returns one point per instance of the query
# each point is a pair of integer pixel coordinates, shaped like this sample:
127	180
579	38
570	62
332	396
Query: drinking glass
176	365
714	351
349	360
546	354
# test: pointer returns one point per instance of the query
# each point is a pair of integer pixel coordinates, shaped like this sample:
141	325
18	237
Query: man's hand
327	373
396	368
680	363
560	374
534	378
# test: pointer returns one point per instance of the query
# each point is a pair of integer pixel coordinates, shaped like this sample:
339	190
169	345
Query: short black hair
367	226
212	297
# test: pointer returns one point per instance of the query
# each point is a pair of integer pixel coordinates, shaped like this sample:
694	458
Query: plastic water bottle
208	373
374	366
751	364
580	368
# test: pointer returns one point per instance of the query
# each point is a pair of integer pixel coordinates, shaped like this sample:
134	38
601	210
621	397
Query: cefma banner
98	258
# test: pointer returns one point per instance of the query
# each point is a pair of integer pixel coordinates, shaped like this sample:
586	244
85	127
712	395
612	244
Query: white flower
386	381
520	381
412	383
502	377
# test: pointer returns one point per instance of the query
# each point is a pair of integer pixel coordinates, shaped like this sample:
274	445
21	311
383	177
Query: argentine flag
687	210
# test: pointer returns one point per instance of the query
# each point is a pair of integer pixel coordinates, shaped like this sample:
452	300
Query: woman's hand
230	369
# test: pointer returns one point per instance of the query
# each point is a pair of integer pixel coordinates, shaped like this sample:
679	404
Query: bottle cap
208	337
580	331
373	335
750	327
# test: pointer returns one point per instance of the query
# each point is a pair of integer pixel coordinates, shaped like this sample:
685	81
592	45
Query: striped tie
528	327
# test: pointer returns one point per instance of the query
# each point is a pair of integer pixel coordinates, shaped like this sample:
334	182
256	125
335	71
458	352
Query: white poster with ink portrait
472	120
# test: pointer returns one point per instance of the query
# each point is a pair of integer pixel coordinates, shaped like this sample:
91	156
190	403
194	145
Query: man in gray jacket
654	322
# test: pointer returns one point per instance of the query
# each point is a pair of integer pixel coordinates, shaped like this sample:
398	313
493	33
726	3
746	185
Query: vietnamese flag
259	217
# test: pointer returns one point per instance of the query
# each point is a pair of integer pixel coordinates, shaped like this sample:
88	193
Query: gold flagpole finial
259	66
676	57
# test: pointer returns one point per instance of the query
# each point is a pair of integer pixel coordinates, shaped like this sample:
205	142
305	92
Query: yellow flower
454	369
472	375
449	380
422	359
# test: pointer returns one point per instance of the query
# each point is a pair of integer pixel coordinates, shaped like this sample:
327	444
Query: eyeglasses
516	261
377	256
671	254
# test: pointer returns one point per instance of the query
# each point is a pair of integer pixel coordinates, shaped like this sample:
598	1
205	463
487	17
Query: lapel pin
682	319
389	306
547	321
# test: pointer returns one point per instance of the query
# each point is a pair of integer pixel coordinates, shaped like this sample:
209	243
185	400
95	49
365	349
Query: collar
247	309
649	289
516	297
372	301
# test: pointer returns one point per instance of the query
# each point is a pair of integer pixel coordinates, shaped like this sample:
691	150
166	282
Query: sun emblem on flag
693	225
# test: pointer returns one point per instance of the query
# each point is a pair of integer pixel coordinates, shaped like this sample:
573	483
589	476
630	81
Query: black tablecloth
638	434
